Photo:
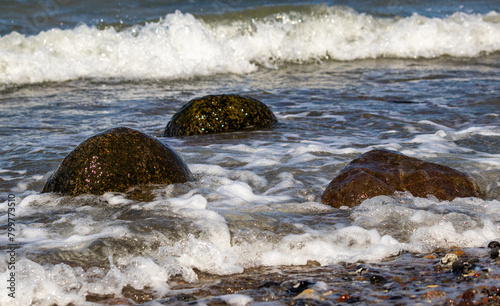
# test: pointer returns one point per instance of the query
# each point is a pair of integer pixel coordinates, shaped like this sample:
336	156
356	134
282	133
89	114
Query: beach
341	77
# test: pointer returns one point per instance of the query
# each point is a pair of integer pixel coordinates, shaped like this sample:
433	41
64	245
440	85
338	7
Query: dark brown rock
382	172
220	113
116	160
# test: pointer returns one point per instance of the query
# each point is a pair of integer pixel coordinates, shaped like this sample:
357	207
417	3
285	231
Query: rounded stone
383	172
117	160
494	244
218	114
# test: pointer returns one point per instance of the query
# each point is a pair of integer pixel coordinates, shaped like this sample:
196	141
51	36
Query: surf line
12	245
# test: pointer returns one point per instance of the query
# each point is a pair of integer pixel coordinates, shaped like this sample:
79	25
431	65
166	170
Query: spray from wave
183	46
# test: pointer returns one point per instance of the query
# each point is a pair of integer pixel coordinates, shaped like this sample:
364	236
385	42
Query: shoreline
401	280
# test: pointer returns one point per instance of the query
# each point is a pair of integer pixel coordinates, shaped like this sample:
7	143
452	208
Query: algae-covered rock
220	113
382	172
116	160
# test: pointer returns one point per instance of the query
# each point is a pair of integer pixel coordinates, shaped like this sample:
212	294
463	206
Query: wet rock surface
383	172
218	114
494	246
117	160
401	280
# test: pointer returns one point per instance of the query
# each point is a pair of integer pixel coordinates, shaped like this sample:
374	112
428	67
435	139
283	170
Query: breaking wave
183	46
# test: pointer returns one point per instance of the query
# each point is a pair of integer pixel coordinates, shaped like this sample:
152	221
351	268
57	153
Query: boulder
382	172
220	113
116	160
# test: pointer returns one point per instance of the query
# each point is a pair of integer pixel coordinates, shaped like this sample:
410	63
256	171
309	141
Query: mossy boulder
383	172
218	114
116	160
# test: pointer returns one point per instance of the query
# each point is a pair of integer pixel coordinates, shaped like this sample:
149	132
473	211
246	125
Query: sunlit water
256	200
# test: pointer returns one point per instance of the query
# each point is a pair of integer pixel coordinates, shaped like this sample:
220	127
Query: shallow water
255	207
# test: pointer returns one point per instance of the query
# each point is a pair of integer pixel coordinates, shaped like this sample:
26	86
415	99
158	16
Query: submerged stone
218	114
116	160
377	279
383	172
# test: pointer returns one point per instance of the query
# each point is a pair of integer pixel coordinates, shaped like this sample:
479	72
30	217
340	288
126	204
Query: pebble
377	279
433	294
458	267
298	287
310	294
495	249
463	267
451	280
494	245
359	271
313	263
438	268
449	259
397	279
459	253
469	295
344	298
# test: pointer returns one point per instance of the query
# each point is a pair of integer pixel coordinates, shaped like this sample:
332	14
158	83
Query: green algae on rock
383	172
218	114
116	160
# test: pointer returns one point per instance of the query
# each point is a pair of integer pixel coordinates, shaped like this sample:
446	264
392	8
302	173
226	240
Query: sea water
342	77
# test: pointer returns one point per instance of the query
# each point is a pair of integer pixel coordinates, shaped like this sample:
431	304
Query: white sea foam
429	223
48	285
443	141
227	239
237	299
182	46
232	218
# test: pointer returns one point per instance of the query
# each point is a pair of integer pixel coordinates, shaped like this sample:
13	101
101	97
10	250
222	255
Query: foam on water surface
223	228
255	204
182	46
465	222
